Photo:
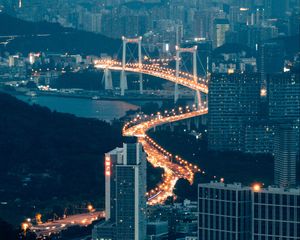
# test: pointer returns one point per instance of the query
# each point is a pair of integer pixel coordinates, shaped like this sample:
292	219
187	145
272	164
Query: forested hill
15	26
51	158
51	37
46	155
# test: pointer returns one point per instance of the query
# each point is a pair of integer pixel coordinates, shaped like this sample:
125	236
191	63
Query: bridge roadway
174	167
184	79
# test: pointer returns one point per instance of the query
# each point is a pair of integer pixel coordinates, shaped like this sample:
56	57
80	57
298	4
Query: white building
125	194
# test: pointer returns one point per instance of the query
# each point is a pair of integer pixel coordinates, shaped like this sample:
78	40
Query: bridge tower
123	80
192	50
108	85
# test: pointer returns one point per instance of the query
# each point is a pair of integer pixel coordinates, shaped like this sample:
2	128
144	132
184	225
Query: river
82	107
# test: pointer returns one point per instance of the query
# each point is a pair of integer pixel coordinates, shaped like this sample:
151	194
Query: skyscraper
221	26
233	99
284	97
284	100
125	194
259	136
285	153
131	194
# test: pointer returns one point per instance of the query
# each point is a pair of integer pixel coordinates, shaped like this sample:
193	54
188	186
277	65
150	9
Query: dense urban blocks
241	119
246	57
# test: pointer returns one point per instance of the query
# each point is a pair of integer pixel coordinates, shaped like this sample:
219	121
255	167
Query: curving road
174	166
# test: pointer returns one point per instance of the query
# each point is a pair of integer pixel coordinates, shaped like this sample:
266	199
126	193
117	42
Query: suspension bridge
174	166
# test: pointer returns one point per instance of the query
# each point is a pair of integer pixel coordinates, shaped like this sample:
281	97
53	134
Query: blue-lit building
233	99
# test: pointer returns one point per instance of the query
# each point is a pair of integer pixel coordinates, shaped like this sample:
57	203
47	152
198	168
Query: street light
90	208
24	227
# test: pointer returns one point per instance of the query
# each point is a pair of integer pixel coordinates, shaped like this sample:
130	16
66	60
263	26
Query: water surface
82	107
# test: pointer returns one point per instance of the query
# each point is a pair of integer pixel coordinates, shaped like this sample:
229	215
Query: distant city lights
263	92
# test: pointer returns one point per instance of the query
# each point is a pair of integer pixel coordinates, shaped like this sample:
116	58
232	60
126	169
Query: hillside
51	37
46	155
15	26
35	141
51	161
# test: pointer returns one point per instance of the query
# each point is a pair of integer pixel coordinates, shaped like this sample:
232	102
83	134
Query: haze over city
150	119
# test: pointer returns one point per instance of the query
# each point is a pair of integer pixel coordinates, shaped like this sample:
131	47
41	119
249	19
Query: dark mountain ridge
51	37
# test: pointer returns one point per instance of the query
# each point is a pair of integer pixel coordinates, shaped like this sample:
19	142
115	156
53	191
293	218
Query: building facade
259	137
276	214
284	100
235	212
284	97
224	211
125	194
233	99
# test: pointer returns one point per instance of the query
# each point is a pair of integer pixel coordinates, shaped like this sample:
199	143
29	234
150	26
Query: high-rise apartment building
284	100
284	96
285	154
240	119
125	194
233	99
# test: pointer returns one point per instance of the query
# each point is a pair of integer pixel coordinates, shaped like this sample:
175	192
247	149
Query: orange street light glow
24	226
256	187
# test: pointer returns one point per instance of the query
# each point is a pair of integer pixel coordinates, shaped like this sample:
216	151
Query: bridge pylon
123	78
192	50
108	85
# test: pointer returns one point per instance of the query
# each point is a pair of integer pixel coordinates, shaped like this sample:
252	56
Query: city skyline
153	119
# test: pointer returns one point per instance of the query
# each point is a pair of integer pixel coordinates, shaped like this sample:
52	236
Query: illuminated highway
85	219
174	166
184	79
